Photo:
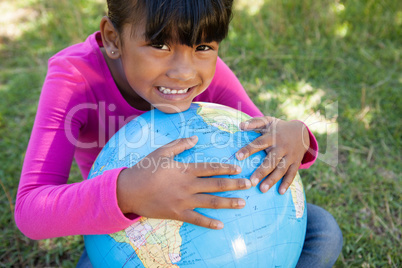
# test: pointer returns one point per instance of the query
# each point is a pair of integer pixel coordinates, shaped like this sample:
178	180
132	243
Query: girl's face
167	76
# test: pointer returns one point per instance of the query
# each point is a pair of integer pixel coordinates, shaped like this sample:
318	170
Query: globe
268	232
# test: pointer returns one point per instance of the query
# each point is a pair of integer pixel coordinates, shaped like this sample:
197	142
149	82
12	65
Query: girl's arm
46	205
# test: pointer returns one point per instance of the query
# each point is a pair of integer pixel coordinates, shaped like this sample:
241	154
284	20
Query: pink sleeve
46	205
311	155
226	89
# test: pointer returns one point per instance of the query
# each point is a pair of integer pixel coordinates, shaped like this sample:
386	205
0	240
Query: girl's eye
160	46
203	48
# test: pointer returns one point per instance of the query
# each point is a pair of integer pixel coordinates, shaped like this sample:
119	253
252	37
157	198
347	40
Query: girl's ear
110	38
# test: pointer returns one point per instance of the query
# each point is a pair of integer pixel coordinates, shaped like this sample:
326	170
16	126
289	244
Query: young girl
149	54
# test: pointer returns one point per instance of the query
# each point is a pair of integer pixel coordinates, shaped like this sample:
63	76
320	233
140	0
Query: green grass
335	64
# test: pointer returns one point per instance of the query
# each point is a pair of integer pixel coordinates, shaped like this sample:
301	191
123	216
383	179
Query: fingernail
255	181
240	156
241	203
238	169
264	188
248	184
282	191
194	138
219	225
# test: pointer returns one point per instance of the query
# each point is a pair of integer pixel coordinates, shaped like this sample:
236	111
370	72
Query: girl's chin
172	108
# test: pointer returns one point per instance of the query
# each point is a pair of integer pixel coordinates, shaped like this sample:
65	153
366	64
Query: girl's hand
285	144
159	187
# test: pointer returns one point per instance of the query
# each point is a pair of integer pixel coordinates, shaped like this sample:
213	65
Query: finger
196	218
257	122
259	144
178	146
212	185
269	163
217	202
207	169
289	177
275	176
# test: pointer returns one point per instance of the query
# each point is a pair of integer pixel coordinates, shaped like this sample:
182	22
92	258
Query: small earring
113	52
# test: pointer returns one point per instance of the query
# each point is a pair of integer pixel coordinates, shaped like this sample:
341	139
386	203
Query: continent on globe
225	119
156	242
268	232
297	191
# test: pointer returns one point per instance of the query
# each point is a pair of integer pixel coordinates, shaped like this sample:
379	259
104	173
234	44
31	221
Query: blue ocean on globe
268	232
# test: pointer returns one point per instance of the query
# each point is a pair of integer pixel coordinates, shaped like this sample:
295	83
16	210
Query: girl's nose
182	68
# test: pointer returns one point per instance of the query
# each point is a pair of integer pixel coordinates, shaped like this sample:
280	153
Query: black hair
189	22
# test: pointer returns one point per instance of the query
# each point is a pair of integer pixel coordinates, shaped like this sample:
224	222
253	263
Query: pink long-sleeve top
80	108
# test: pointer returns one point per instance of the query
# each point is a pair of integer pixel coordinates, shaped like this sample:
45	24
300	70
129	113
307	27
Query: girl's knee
323	237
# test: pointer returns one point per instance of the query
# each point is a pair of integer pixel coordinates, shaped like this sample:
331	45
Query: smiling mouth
169	91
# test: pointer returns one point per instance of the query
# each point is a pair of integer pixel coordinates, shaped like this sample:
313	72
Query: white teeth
168	91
